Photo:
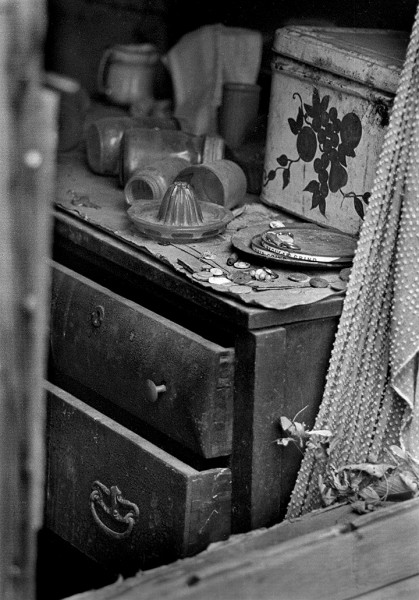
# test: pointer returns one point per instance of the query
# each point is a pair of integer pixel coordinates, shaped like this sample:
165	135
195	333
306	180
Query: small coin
298	277
240	277
319	282
202	275
216	271
239	264
208	255
338	285
219	280
344	274
240	289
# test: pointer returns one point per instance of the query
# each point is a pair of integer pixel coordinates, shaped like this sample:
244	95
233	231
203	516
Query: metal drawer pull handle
152	390
97	315
108	500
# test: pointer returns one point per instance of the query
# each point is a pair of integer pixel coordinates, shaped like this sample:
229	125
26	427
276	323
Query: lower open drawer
122	500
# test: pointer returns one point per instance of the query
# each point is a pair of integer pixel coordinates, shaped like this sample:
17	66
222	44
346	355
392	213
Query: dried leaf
371	469
284	441
328	497
300	429
356	482
341	486
286	424
320	432
410	481
369	495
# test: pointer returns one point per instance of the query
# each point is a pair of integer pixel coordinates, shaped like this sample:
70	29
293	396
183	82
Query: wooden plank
406	589
27	156
260	379
288	372
341	562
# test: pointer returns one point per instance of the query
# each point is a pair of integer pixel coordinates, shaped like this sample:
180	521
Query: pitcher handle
103	65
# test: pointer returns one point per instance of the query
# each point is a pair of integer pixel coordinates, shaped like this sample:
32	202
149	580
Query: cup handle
103	65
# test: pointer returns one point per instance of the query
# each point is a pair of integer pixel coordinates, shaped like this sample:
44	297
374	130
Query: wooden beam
27	158
341	562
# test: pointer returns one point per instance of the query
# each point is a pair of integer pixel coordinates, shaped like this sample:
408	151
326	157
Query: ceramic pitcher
126	73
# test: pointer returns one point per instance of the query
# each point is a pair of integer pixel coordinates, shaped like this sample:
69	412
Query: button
319	282
338	285
240	289
240	277
241	265
219	280
344	274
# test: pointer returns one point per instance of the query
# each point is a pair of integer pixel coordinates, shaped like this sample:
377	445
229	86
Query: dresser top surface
90	213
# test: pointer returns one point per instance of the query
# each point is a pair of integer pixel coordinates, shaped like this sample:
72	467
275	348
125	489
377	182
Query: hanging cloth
371	395
199	64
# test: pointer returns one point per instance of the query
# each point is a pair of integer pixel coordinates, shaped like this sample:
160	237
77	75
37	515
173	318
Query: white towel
201	62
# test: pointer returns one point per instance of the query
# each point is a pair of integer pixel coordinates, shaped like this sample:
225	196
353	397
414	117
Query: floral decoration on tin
319	127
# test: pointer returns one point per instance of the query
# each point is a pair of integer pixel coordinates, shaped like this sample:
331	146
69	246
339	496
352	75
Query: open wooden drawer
120	499
167	376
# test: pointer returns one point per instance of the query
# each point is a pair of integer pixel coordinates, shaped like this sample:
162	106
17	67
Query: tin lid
373	57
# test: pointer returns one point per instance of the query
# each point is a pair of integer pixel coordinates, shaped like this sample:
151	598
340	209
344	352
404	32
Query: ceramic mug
126	73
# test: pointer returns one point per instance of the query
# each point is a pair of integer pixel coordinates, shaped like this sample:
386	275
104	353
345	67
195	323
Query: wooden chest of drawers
120	499
168	376
196	377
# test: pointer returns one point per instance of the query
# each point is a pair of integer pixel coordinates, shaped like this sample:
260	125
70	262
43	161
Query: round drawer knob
153	390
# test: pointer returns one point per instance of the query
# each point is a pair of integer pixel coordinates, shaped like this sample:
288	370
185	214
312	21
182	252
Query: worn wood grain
75	177
179	510
406	589
128	348
281	371
27	157
339	562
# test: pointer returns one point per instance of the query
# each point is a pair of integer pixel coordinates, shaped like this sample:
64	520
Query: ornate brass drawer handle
108	500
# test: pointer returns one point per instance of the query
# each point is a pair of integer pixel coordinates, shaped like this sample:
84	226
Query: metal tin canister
331	95
221	181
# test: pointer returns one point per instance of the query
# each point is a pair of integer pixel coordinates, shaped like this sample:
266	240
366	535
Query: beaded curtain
370	398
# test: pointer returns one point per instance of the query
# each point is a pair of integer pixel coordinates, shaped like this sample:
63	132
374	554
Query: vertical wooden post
27	159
